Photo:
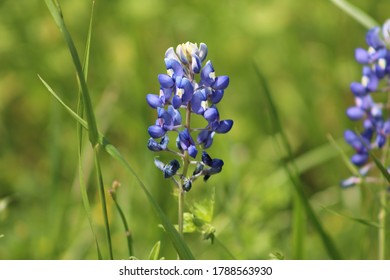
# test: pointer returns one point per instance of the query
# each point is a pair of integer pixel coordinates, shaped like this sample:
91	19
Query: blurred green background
305	50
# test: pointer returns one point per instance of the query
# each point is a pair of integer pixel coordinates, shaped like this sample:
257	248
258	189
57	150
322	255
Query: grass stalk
103	202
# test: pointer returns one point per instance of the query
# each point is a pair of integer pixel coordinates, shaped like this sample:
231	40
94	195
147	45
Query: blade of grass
80	112
292	170
356	13
56	13
358	220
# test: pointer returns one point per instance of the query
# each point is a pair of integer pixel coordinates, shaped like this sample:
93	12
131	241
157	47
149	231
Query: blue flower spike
191	86
375	61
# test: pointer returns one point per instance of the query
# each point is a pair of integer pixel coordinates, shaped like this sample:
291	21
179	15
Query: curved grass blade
356	13
293	172
56	13
358	220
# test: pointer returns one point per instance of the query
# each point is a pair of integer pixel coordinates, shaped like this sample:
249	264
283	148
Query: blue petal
221	82
171	168
196	103
358	89
192	151
205	74
154	146
224	126
373	39
355	113
206	159
165	81
202	51
359	159
153	100
196	64
362	56
211	114
216	96
176	101
156	131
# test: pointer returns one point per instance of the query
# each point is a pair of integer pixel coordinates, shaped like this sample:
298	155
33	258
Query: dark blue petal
154	146
187	185
176	101
224	126
171	168
207	74
192	151
355	113
175	66
165	81
188	90
217	163
206	159
156	131
153	100
211	114
196	103
175	114
216	96
221	82
380	140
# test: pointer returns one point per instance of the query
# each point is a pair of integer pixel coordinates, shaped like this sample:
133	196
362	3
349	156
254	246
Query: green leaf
356	13
155	252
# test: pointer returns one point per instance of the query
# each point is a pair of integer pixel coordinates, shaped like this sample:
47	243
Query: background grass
304	49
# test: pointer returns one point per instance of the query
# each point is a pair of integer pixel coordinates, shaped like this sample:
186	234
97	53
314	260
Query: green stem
382	228
125	225
103	201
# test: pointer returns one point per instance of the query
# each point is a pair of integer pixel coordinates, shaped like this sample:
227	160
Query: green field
304	51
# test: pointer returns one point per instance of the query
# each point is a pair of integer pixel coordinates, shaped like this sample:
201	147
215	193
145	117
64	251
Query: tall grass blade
356	13
56	13
358	220
292	170
80	112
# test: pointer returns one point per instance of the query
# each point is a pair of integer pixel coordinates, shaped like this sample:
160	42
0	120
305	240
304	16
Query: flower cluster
375	61
180	97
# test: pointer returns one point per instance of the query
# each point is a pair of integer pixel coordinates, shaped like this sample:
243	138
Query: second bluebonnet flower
375	61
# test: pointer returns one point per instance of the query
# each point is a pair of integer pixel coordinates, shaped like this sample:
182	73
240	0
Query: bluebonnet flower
375	61
190	86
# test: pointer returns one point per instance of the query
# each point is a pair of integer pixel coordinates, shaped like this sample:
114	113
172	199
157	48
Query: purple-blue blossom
369	94
189	87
